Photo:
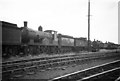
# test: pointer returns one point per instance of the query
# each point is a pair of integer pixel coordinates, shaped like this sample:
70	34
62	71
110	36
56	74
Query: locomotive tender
24	41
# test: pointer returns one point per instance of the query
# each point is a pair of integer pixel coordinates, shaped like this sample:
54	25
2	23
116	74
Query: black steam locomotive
24	41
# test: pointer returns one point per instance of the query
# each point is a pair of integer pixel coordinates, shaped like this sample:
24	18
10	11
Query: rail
79	75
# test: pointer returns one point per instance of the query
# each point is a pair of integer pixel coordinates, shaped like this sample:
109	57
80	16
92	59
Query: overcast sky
68	17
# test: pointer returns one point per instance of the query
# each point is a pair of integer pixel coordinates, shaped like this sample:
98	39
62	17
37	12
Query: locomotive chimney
25	23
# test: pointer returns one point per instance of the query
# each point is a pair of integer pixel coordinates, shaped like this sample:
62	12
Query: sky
119	23
68	17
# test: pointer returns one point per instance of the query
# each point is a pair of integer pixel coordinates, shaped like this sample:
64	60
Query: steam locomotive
24	41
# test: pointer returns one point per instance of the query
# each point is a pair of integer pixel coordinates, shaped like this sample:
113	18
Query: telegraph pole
88	25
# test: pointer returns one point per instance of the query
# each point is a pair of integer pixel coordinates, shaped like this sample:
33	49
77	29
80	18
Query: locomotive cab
54	34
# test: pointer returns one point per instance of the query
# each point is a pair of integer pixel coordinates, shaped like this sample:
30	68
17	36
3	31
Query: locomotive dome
40	28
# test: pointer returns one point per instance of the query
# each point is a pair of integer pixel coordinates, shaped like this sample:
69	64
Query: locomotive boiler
32	36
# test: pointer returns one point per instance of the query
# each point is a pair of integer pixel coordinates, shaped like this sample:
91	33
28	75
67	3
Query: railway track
48	58
17	63
22	63
95	73
37	62
45	65
111	75
40	61
30	67
34	59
